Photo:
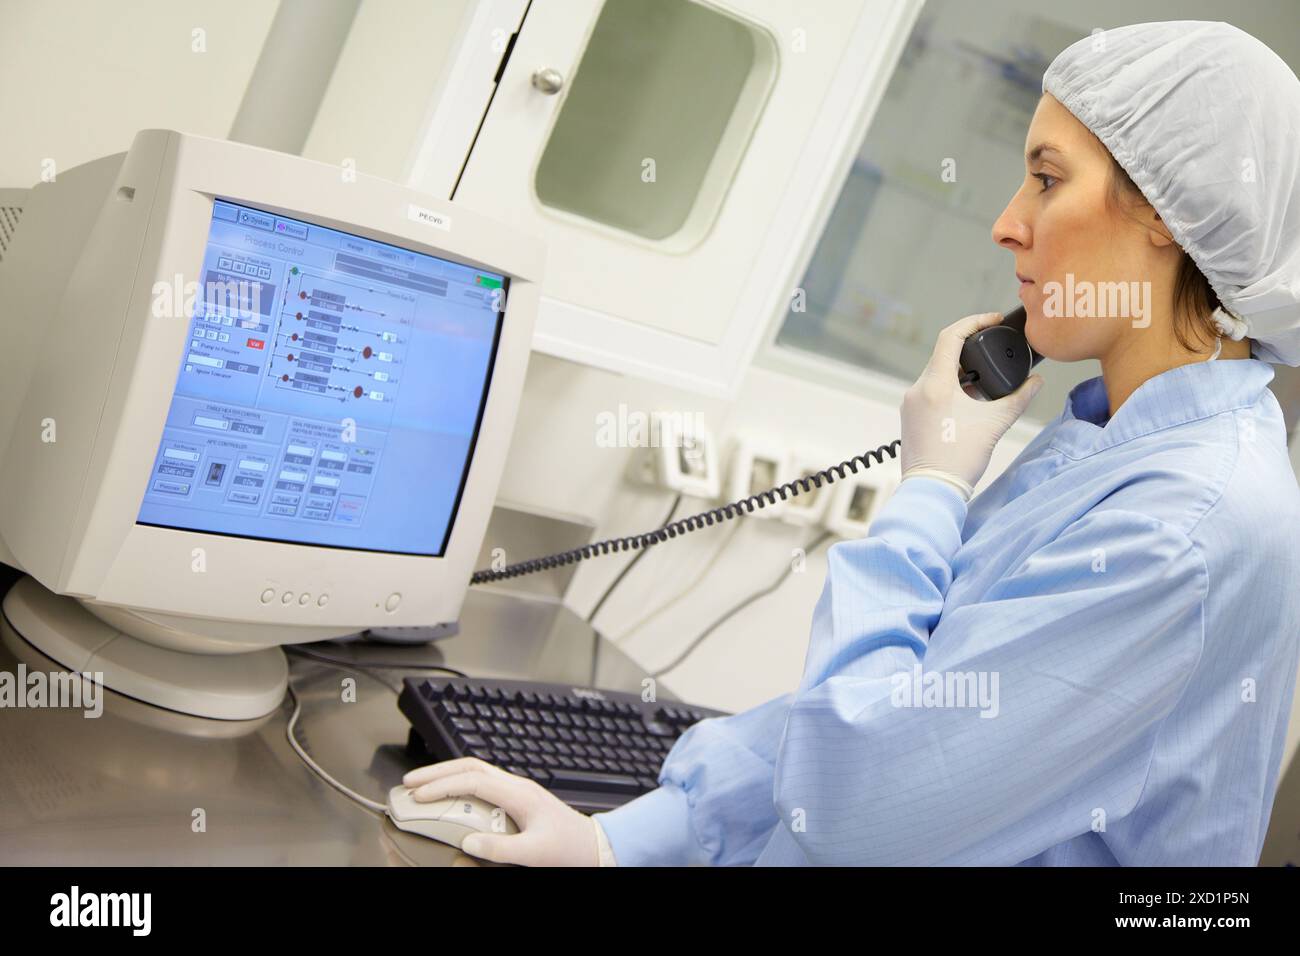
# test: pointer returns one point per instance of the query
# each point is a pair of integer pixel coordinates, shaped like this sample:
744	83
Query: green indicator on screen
487	282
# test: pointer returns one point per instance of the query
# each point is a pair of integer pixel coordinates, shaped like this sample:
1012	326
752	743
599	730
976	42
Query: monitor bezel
113	559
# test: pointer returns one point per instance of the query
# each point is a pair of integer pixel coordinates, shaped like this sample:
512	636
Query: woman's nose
1010	229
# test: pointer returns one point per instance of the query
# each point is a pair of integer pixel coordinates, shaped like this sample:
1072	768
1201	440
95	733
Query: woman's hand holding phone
948	433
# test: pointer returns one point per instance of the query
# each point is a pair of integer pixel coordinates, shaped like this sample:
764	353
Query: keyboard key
587	780
659	731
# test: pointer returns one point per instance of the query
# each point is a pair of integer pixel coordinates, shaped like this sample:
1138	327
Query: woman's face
1061	230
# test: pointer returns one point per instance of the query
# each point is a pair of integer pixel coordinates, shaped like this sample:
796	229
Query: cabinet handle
549	81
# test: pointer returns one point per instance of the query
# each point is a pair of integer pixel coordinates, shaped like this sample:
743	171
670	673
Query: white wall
376	99
78	78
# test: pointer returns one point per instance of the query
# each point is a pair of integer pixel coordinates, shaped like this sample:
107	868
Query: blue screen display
330	392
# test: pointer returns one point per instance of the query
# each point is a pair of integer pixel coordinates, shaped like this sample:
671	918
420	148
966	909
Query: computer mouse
447	821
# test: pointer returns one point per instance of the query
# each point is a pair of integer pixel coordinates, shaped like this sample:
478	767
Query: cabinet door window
667	93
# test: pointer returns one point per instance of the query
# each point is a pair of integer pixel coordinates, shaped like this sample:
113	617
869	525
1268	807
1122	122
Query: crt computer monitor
247	400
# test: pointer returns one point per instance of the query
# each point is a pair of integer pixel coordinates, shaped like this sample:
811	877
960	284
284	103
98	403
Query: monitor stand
217	669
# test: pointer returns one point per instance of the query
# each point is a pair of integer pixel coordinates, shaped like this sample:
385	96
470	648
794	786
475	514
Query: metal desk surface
123	789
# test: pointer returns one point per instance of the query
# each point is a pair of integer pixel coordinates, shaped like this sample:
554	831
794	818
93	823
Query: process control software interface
330	392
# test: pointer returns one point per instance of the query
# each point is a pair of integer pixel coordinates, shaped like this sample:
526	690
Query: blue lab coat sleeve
714	801
1083	648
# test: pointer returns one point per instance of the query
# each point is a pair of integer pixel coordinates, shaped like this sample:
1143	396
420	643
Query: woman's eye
1043	178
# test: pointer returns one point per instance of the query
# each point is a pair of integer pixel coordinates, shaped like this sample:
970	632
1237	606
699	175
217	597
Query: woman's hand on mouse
947	433
551	833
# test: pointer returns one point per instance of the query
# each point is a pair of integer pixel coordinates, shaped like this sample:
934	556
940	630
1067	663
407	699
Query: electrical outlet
855	499
757	464
687	459
807	507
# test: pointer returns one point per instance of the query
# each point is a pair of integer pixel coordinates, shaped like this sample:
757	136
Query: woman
1093	661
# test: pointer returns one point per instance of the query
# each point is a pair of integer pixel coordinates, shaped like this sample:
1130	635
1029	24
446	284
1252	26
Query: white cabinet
678	156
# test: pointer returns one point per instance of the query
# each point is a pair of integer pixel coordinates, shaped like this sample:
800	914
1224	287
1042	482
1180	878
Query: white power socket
856	499
685	461
845	507
808	507
757	464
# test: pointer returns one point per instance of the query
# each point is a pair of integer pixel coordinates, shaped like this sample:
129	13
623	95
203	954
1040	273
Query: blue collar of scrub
1183	394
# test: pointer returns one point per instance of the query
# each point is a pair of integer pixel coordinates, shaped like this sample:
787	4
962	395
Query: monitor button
268	595
322	600
286	597
393	600
304	599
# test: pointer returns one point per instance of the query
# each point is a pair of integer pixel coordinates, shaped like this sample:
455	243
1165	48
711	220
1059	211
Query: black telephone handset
995	361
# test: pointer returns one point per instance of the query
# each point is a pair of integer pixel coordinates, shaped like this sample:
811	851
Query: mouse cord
364	802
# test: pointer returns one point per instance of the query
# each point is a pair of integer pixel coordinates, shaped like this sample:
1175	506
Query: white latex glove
551	833
948	433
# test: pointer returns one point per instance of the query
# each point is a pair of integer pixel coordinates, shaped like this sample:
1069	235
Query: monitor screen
330	390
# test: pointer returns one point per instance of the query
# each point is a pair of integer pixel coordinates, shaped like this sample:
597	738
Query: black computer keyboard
594	749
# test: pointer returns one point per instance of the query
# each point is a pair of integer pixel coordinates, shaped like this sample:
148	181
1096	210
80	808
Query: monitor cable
690	648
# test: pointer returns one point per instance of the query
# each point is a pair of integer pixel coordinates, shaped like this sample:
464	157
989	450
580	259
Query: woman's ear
1159	233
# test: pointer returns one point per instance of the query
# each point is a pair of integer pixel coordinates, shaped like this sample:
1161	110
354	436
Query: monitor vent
8	226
